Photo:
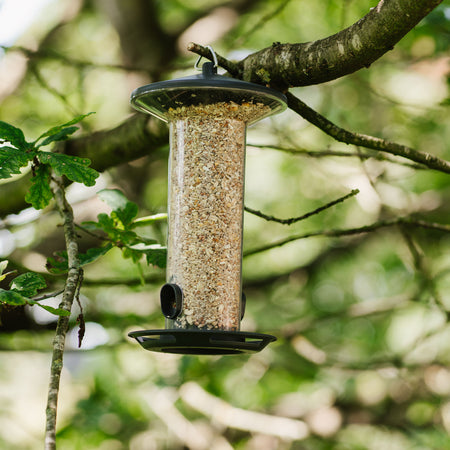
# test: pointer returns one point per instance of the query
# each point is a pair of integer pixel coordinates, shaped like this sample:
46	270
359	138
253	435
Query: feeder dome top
208	88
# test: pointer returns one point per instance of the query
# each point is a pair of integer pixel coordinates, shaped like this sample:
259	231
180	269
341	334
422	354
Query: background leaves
361	320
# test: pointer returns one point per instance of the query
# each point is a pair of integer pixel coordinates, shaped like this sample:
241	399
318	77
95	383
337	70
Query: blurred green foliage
363	347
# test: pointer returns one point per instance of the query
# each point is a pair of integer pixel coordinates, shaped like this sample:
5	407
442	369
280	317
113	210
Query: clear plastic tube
205	220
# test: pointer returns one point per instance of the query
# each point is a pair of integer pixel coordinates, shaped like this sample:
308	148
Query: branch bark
138	136
70	289
358	46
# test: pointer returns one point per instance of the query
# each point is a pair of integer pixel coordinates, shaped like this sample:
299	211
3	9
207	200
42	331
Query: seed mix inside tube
206	192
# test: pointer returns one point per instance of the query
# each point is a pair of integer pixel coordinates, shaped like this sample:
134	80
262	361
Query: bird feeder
202	299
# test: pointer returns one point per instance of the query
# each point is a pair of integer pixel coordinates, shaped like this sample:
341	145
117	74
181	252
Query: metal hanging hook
213	53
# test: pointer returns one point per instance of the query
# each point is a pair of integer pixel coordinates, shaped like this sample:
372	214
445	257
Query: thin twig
426	280
338	153
45	296
80	318
304	216
260	24
90	233
70	289
404	221
51	54
63	98
363	140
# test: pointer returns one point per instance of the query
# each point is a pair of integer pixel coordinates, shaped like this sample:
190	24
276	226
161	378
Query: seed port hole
171	297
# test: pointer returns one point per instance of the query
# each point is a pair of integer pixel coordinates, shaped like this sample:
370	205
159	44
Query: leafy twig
292	220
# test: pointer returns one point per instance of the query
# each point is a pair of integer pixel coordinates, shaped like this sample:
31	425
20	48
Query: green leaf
134	255
157	257
55	130
50	309
11	160
13	135
57	311
3	266
61	135
93	253
59	264
105	223
73	167
124	210
12	298
155	254
40	194
28	284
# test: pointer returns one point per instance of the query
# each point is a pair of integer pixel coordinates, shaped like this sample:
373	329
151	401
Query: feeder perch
202	300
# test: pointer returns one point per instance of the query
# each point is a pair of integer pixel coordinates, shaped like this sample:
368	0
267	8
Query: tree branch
51	54
404	221
340	134
217	410
138	136
339	153
363	140
70	289
304	216
357	46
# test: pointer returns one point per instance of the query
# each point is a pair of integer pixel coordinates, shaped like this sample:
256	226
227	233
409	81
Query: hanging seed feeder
202	300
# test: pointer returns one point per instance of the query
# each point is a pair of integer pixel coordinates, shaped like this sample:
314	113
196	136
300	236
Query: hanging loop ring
213	53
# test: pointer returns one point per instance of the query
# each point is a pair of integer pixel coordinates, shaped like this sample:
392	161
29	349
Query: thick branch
136	137
343	53
144	41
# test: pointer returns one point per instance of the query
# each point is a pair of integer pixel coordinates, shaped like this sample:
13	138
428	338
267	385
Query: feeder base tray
196	342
